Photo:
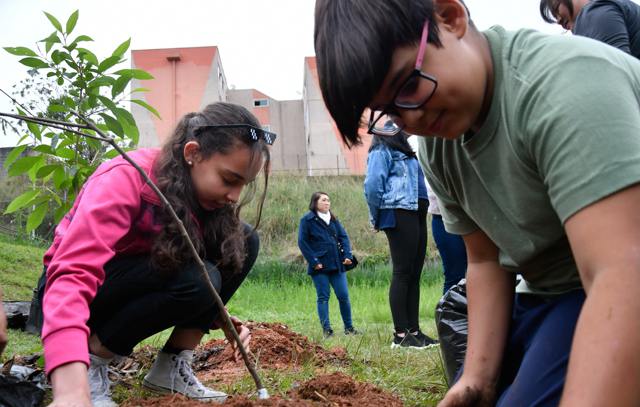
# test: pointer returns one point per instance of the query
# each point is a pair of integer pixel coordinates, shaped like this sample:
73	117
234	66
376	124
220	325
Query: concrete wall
185	80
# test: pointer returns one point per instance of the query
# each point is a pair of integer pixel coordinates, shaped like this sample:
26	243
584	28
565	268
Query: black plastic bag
17	313
452	325
18	393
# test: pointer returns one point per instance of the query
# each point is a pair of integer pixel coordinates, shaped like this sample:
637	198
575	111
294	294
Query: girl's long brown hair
217	235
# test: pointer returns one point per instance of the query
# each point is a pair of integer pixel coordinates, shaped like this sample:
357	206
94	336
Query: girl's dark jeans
135	301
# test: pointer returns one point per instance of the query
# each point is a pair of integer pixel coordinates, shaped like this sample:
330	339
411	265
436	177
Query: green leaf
50	40
54	21
22	165
101	81
113	124
33	62
59	56
22	201
21	51
108	103
108	63
54	108
88	56
120	85
128	123
37	216
35	130
59	177
65	153
122	48
135	73
71	22
35	167
124	115
46	170
146	106
82	38
141	90
60	81
13	155
43	148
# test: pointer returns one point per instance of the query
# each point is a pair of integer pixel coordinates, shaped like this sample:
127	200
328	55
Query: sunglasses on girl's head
256	133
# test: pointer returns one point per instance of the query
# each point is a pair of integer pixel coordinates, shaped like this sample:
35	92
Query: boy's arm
490	291
604	366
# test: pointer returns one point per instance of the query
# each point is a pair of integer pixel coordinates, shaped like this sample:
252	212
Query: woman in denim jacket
397	198
318	237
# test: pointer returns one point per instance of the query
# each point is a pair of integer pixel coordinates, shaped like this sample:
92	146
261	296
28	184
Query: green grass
20	267
278	289
286	294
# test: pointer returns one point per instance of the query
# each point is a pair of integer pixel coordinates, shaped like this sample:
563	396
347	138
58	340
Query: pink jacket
113	214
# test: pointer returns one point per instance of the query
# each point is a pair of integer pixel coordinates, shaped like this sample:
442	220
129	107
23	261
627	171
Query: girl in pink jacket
119	271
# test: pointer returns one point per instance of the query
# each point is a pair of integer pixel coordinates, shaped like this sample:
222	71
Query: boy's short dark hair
549	9
354	43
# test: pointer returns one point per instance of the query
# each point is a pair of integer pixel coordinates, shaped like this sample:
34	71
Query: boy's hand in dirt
468	394
243	332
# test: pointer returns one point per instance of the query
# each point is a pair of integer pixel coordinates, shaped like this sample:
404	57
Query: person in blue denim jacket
319	236
397	198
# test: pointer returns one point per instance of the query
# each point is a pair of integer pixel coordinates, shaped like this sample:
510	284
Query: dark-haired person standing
614	22
319	236
397	198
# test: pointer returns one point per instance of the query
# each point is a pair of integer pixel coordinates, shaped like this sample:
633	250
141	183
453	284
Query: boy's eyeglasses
255	133
414	92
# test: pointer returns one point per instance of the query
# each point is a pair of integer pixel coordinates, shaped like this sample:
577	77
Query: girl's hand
70	386
469	393
243	332
347	262
318	266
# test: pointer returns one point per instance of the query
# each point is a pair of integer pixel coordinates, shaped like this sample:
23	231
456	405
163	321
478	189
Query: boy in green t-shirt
543	182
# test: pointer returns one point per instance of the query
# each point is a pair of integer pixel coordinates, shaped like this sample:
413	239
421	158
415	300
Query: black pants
135	301
408	246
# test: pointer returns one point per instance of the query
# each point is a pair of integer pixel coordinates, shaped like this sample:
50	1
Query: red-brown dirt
332	390
274	347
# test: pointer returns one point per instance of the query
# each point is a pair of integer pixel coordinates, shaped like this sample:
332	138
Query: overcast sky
262	43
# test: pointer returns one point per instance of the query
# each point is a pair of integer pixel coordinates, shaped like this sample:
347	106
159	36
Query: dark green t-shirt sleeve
584	132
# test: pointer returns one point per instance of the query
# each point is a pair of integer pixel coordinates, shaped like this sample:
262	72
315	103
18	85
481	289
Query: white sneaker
99	383
172	373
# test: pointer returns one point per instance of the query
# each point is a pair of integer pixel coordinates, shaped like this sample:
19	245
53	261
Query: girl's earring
190	163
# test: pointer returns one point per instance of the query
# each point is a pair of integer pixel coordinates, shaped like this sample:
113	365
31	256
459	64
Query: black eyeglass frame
255	133
417	72
396	105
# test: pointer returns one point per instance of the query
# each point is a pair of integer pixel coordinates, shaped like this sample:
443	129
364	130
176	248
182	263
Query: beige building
187	79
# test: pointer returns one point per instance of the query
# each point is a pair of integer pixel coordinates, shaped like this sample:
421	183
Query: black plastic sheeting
452	325
17	313
15	392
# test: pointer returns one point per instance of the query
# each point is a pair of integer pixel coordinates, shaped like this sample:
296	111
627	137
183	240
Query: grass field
279	290
284	293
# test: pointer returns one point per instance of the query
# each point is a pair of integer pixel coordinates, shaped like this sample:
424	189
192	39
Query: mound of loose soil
336	389
273	345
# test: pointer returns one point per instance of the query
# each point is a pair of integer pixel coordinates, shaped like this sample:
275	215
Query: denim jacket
391	181
318	243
